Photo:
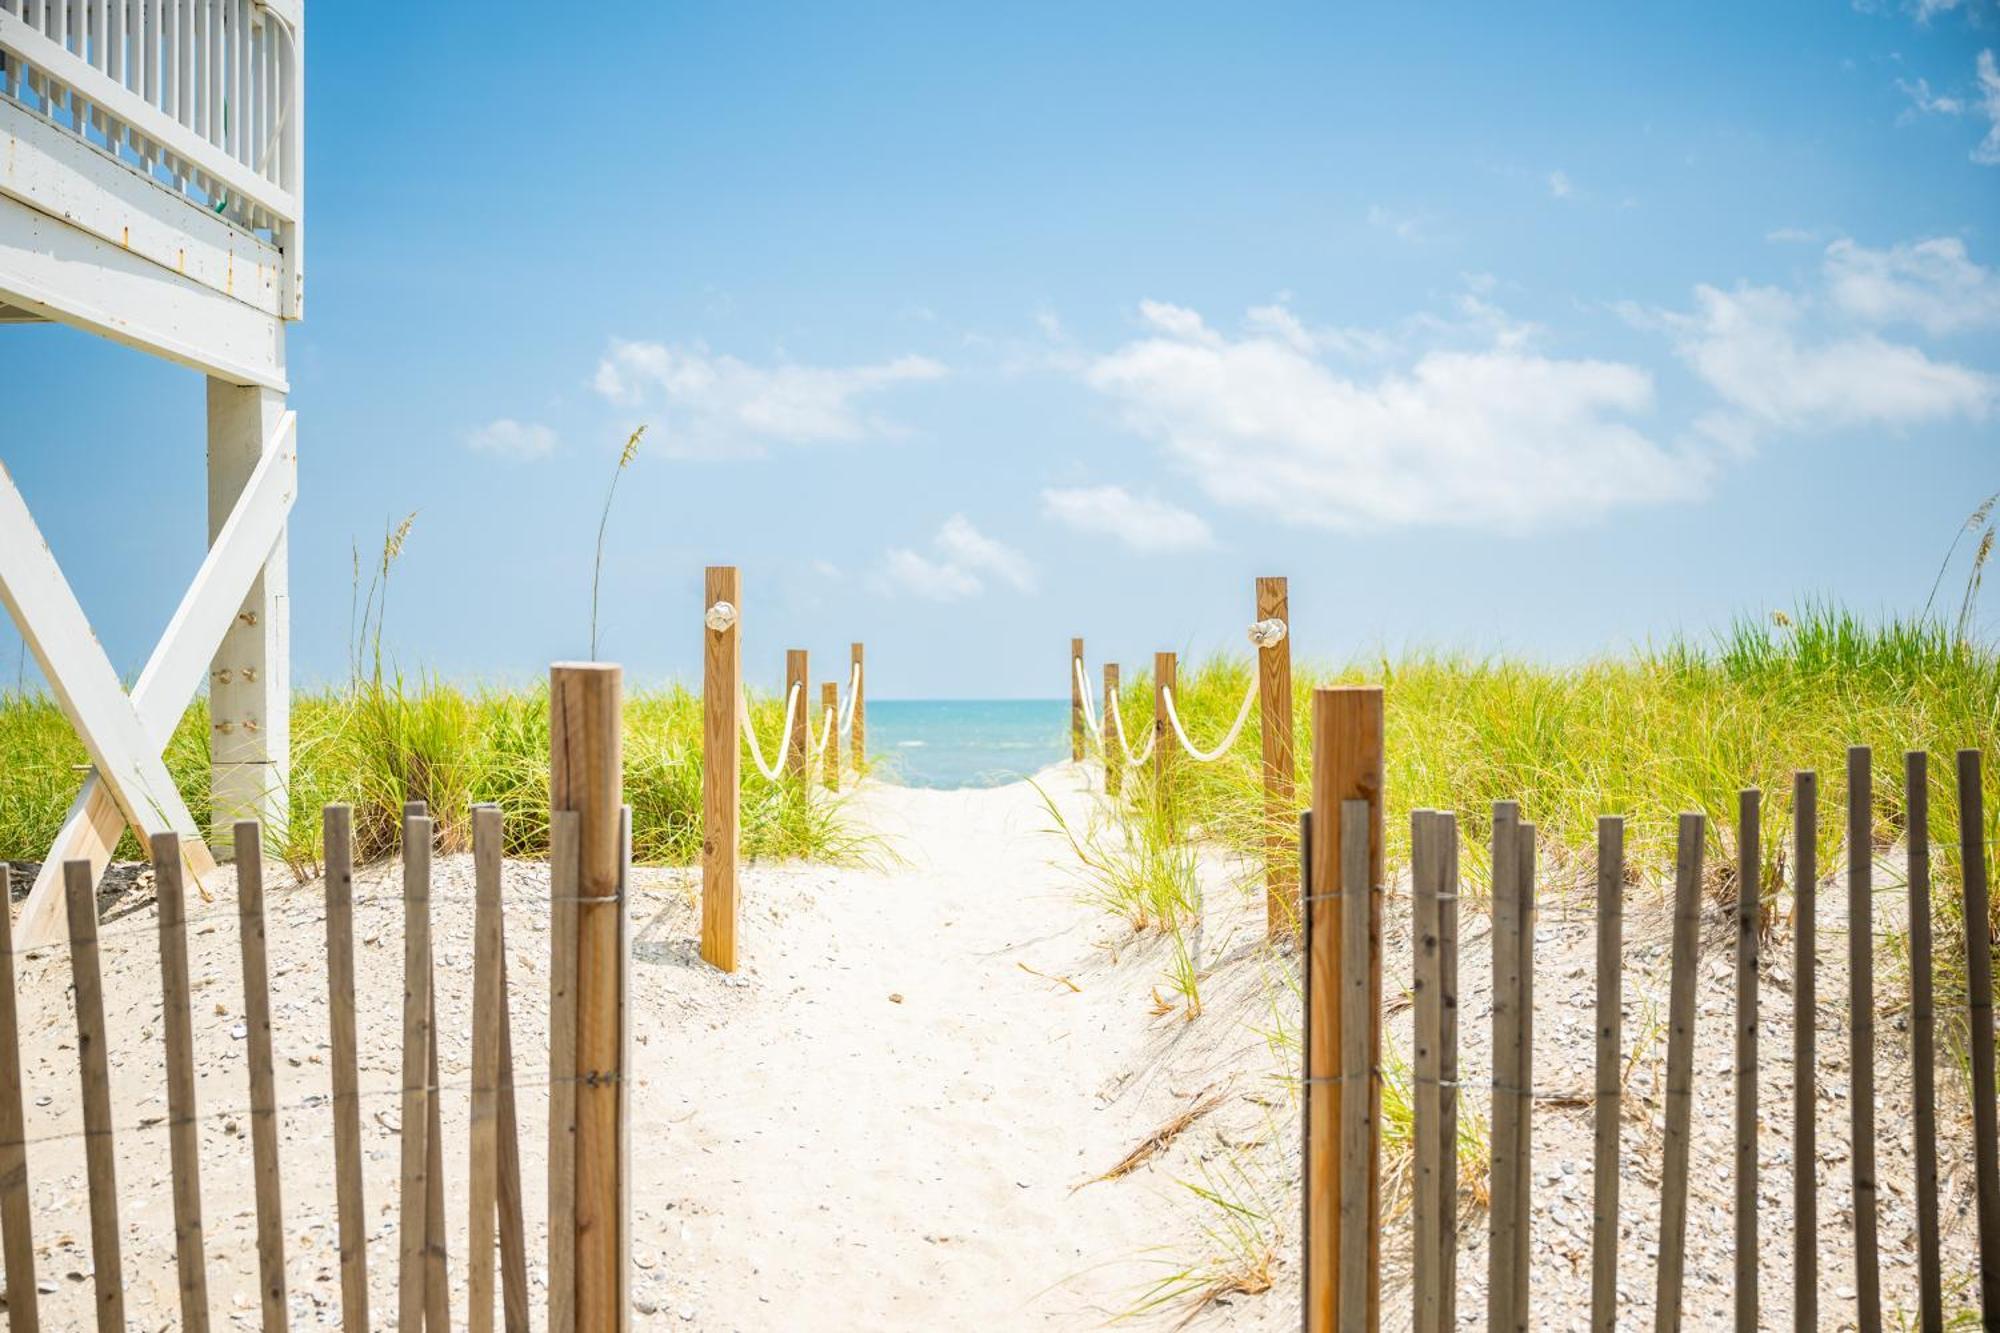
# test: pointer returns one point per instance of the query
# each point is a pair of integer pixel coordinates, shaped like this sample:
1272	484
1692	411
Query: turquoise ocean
966	742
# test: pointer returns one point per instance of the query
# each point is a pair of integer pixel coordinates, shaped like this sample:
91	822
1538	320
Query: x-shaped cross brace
125	735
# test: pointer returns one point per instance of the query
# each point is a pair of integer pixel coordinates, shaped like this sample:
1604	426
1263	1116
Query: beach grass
378	743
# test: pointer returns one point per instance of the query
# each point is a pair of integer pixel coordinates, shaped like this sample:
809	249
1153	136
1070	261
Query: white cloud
1142	523
1792	236
1923	100
1983	104
1987	151
1498	437
1930	283
1413	227
1747	345
724	405
520	441
965	559
1560	186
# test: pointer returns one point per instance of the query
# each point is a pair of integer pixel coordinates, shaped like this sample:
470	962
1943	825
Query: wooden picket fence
1341	1216
588	1231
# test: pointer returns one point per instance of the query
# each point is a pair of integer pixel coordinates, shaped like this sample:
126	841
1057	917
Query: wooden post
1805	1059
1166	676
16	1224
1513	1066
263	1086
563	839
1610	1102
1923	1037
343	1055
1436	1159
1076	740
722	769
1749	901
1685	962
799	754
413	1204
1357	1025
1114	747
1274	716
1448	1065
183	1124
483	1128
1979	1013
1861	1035
100	1157
1346	765
859	725
511	1199
829	703
586	777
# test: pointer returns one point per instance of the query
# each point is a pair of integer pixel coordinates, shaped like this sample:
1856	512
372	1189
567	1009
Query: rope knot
721	618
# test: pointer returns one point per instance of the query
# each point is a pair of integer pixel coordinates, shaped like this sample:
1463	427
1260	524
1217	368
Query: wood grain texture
564	835
100	1156
1346	765
1166	676
1076	740
1357	1140
1684	964
1979	1015
1749	920
1448	897
798	755
483	1127
1274	720
858	725
829	707
586	778
1923	1039
1805	1057
1507	1182
1434	1157
722	771
263	1085
183	1127
17	1241
1608	1106
1114	748
343	1057
414	1192
1861	1036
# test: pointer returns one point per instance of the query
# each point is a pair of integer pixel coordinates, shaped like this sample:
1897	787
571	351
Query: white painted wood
114	99
91	829
51	170
62	272
58	633
249	686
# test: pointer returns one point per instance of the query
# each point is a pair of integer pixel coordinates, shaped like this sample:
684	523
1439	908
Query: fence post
586	778
1749	903
1346	765
16	1218
1274	713
1979	1015
1923	1034
1166	676
1861	1035
100	1157
1114	748
829	705
1805	1060
799	755
857	673
1608	1111
1076	741
1685	964
721	763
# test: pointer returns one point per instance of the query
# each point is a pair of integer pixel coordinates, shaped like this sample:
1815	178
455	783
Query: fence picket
1608	1109
177	1030
263	1090
337	821
1923	1039
484	1128
1979	1011
1805	1061
414	1199
1504	1253
1357	1021
565	834
1749	899
1680	1070
1861	1035
512	1204
1448	1067
99	1154
17	1241
1432	1160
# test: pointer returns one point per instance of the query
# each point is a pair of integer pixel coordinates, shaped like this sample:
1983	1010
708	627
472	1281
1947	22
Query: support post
798	755
586	778
1346	765
829	706
859	675
1114	749
721	768
249	685
1274	712
1166	676
1076	740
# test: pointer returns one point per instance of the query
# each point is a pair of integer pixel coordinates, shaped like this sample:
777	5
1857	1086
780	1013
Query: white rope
853	696
1152	734
825	735
1090	722
1094	728
1235	729
771	772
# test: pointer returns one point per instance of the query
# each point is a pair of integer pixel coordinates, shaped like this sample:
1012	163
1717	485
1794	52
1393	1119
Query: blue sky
964	331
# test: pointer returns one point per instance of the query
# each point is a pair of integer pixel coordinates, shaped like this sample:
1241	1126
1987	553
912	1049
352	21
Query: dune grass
378	743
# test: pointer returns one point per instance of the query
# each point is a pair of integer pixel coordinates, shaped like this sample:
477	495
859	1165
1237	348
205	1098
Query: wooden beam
1274	722
721	769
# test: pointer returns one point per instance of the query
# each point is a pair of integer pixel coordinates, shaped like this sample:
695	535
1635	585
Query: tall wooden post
586	778
829	706
721	766
799	755
1075	701
1274	711
859	675
1166	676
1346	765
1114	749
